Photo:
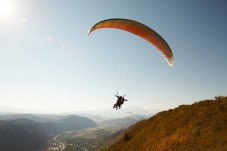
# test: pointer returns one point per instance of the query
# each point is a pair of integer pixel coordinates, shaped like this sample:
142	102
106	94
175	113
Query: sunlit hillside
201	126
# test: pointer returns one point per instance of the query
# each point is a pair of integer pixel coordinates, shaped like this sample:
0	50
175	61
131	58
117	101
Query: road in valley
61	145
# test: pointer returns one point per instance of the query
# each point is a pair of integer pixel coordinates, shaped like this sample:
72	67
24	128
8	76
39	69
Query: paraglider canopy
140	30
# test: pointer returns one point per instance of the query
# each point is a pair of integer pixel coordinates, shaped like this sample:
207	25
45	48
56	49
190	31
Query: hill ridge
200	126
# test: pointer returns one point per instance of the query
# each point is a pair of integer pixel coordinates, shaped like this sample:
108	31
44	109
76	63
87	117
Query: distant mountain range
100	115
96	115
32	132
37	118
123	122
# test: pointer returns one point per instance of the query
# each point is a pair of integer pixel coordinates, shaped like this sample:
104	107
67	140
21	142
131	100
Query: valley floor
84	140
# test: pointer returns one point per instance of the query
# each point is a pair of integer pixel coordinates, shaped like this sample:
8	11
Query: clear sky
49	64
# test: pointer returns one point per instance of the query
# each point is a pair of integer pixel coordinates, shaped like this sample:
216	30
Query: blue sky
49	64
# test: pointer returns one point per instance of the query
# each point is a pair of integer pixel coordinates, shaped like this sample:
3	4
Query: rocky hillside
201	126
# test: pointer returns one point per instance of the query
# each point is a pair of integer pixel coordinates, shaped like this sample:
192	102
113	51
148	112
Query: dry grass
201	126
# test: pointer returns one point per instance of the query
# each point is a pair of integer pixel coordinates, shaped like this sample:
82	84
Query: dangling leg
115	106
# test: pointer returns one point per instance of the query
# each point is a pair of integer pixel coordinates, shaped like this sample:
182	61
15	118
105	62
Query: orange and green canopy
140	30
